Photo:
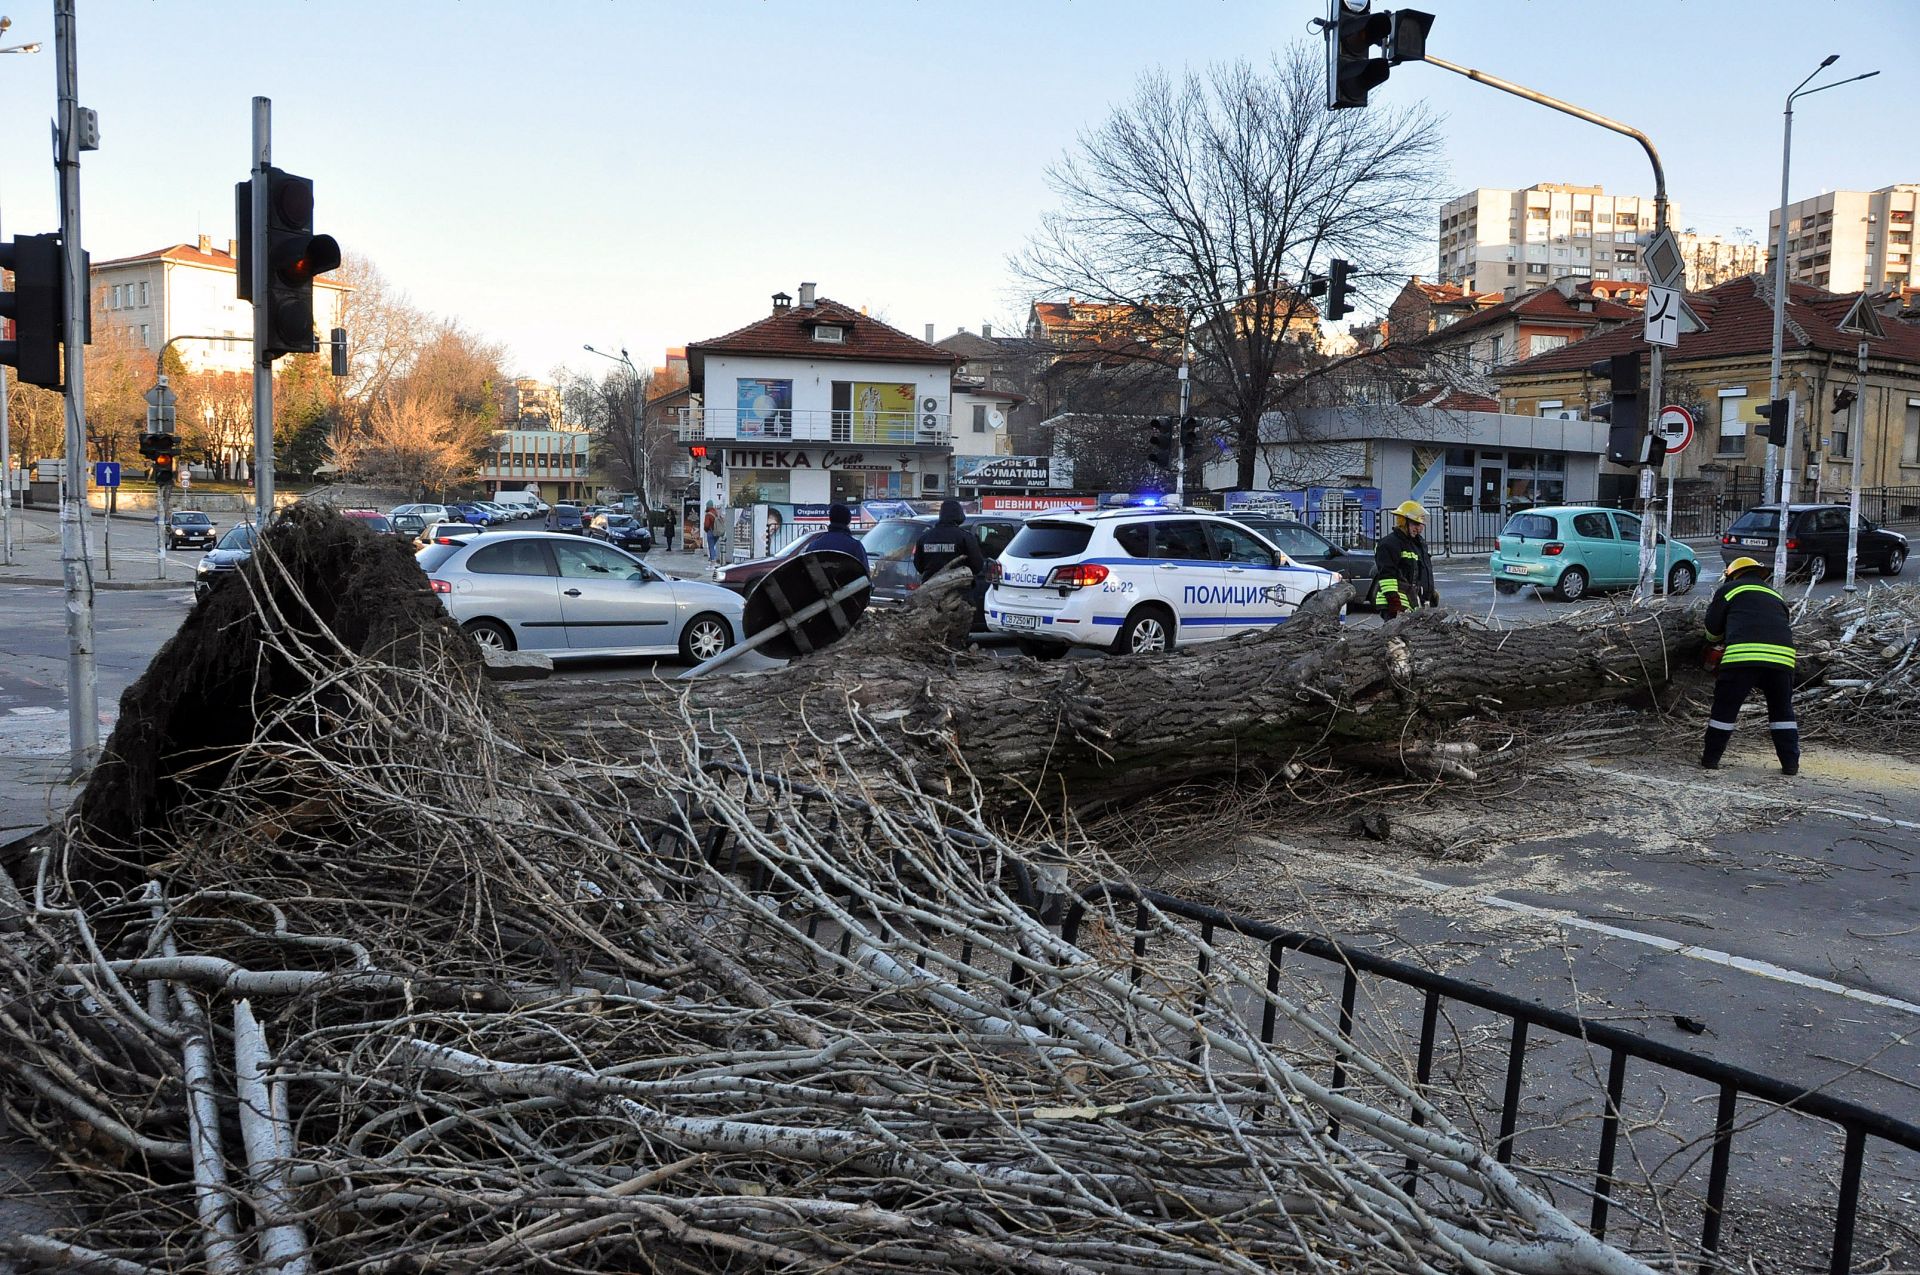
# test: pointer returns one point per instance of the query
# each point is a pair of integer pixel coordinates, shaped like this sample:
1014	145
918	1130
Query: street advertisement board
1012	473
1034	504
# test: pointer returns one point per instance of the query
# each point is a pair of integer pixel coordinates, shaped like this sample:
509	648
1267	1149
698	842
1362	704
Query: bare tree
385	329
413	441
1207	202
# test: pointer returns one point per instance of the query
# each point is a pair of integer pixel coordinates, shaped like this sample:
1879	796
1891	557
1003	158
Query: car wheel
1680	579
1507	587
1040	650
490	634
1147	630
1572	586
1896	559
704	637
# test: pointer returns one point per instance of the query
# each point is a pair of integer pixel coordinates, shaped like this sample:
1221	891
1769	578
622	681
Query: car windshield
1295	540
620	520
192	520
240	537
893	537
799	544
1050	540
1531	527
1767	520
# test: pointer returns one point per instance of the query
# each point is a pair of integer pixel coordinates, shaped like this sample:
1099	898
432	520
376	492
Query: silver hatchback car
569	598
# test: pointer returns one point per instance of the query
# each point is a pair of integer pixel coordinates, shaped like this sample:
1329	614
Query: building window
1540	344
827	334
979	418
1536	268
144	329
1910	443
1733	429
143	292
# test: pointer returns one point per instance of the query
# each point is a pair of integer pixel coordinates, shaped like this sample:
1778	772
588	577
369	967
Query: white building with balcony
819	402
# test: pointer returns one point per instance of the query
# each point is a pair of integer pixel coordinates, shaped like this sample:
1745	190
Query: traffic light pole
1180	425
1856	435
83	718
1656	364
262	319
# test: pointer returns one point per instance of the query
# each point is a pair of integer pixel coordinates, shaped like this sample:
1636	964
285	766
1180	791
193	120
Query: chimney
986	330
929	334
233	249
806	296
206	245
781	301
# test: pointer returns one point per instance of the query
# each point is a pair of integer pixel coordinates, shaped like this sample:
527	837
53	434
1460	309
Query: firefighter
1750	622
1402	569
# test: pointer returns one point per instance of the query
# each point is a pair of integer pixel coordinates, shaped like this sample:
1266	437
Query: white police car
1135	580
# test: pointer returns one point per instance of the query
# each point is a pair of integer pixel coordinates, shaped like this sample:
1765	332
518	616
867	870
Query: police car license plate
1014	620
1752	542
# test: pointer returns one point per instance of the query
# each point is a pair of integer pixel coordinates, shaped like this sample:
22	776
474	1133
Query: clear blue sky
645	173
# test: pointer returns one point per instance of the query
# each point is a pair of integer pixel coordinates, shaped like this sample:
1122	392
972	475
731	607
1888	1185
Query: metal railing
894	428
1736	1091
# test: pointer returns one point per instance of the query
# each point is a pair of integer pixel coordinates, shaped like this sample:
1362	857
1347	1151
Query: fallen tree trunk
1103	732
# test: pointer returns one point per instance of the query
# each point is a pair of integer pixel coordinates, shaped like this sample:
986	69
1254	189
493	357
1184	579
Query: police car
1144	579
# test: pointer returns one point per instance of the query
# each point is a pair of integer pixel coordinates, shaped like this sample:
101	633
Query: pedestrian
1749	622
666	528
839	538
947	540
710	528
1402	567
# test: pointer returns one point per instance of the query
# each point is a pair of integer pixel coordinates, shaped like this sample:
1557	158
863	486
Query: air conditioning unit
930	482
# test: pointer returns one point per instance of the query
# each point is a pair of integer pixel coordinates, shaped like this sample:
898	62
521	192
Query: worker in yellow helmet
1750	620
1402	568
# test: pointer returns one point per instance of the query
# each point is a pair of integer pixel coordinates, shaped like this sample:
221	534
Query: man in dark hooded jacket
947	540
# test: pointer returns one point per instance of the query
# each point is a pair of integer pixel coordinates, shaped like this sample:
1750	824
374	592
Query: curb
120	586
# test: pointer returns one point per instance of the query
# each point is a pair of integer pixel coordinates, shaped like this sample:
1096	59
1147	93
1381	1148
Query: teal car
1573	549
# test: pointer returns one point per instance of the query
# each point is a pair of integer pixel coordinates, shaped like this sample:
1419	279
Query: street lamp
6	437
637	457
1780	307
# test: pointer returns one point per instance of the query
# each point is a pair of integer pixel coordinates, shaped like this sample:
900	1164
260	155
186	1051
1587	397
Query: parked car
430	512
224	558
372	519
890	544
407	526
1815	534
623	530
442	532
570	598
470	512
742	576
1572	549
1303	544
566	518
189	528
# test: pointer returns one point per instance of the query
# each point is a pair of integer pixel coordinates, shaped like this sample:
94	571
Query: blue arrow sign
106	473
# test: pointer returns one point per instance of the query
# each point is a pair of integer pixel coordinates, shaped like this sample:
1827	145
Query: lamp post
6	435
637	437
1780	312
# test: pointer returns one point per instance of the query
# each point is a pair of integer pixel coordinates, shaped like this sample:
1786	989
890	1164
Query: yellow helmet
1412	511
1738	565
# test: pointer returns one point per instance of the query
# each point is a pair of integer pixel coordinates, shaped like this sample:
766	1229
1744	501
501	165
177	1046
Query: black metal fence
1833	1148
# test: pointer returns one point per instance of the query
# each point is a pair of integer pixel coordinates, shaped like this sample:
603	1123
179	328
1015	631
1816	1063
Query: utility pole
1180	426
262	319
83	719
1856	437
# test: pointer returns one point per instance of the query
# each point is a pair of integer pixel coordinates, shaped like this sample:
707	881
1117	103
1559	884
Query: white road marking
1573	921
1752	795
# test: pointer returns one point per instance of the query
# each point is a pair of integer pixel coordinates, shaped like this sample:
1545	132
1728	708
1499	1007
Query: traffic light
154	445
1626	423
1160	443
38	307
1338	289
163	470
1189	436
700	452
1352	31
1842	400
295	258
1774	419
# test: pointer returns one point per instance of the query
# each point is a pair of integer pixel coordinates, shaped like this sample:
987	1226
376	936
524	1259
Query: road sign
161	396
1646	482
106	473
1663	317
160	401
1676	423
1666	265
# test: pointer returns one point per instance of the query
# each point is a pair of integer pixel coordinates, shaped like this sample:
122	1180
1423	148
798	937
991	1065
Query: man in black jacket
1402	568
947	540
1750	620
839	537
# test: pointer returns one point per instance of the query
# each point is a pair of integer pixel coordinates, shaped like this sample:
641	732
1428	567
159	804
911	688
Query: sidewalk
36	553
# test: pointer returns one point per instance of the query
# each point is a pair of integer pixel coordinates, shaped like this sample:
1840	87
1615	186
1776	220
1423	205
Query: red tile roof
789	333
1544	306
1739	320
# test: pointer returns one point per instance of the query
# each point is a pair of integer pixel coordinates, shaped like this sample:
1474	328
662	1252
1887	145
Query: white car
1141	579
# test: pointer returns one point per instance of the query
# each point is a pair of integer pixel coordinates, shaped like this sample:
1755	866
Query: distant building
188	290
1423	308
1850	239
1712	261
1514	240
1534	323
534	404
551	461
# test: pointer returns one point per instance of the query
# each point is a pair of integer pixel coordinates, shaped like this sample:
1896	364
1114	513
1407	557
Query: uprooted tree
350	960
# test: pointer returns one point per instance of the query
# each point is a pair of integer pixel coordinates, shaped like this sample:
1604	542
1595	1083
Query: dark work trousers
1730	691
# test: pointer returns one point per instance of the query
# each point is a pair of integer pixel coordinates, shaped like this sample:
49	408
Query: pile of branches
399	989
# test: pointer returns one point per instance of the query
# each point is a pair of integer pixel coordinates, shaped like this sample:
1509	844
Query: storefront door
1491	491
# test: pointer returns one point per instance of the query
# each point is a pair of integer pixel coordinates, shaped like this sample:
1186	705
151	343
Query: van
524	504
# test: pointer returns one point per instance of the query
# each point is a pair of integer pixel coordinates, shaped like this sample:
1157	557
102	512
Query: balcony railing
808	425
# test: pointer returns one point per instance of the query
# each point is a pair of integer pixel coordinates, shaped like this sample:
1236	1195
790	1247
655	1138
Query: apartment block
1846	240
1514	241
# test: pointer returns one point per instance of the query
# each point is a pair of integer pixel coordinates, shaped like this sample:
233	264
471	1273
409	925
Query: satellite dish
997	419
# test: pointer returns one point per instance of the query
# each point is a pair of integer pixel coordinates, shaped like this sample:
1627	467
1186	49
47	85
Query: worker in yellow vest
1750	621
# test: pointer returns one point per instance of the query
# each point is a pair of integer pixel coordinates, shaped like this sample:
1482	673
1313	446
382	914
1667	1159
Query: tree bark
1100	733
